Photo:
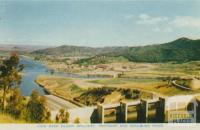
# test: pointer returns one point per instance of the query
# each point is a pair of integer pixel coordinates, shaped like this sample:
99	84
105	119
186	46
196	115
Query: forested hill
180	50
77	50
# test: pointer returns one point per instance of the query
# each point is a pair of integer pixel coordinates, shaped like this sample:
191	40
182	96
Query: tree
52	71
9	75
77	121
168	79
48	116
15	105
63	116
36	108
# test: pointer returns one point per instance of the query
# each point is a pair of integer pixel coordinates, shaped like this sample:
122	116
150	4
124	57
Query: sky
98	22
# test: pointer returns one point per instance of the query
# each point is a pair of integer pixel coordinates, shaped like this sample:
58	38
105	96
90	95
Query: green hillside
77	50
180	50
101	60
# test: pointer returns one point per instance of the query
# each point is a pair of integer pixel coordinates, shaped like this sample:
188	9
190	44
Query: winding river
34	68
31	70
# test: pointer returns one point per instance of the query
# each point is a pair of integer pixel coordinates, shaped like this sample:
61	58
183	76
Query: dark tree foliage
36	108
62	116
16	105
131	94
9	75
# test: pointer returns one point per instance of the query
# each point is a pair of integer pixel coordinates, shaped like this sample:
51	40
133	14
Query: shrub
36	108
15	105
62	116
77	121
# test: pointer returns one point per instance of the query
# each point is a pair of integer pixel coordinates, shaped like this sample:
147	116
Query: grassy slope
60	85
165	70
4	118
153	85
68	88
82	90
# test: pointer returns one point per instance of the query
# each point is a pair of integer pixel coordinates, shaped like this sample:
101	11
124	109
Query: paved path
180	86
56	103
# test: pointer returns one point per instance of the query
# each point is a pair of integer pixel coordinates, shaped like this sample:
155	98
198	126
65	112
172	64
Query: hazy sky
98	23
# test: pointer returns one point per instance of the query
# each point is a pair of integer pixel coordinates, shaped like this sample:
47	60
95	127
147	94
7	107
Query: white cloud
186	22
164	24
149	20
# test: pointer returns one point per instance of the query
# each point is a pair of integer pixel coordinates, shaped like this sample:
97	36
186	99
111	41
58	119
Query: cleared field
87	91
147	84
90	92
164	70
118	81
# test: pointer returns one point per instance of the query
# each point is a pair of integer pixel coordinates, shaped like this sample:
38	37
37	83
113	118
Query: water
32	69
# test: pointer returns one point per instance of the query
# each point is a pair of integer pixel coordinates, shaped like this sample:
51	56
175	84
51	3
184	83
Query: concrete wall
97	114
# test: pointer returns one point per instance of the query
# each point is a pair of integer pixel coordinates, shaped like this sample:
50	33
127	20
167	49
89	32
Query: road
56	103
180	86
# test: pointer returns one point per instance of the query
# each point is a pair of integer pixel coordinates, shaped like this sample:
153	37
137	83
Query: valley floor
92	91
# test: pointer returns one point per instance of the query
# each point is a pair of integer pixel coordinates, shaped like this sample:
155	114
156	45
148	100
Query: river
34	68
31	70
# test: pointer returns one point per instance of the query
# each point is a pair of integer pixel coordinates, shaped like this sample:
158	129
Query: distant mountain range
180	50
20	48
66	50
